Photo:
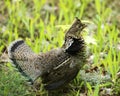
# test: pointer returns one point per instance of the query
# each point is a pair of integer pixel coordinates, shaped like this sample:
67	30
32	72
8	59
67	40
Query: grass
42	24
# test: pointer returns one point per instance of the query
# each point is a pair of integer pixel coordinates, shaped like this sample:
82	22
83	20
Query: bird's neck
76	46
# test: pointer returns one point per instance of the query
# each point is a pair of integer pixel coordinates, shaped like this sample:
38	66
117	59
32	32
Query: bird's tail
23	58
19	50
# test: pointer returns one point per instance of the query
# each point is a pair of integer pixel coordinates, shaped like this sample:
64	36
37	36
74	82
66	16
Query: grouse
56	67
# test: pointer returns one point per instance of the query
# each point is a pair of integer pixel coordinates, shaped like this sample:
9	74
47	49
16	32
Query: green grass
42	24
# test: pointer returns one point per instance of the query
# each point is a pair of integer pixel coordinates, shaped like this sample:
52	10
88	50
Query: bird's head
75	30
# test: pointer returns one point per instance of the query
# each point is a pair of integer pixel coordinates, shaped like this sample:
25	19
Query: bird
56	67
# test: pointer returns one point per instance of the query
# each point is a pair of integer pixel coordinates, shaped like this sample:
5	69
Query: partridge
56	67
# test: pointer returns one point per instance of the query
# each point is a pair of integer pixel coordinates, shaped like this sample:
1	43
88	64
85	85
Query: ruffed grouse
56	67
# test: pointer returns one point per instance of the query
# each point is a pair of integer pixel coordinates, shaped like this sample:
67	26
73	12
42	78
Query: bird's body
56	67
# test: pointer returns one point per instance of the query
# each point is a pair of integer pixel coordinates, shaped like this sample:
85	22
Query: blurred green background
43	23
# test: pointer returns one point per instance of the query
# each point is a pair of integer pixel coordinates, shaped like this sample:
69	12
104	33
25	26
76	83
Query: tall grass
42	24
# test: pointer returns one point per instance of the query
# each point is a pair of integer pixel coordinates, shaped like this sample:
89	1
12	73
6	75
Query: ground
43	23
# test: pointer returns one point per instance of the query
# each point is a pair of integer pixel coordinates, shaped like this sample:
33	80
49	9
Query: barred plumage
56	67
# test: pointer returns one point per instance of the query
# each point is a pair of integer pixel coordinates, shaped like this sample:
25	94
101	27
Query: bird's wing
24	59
66	62
61	74
61	82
